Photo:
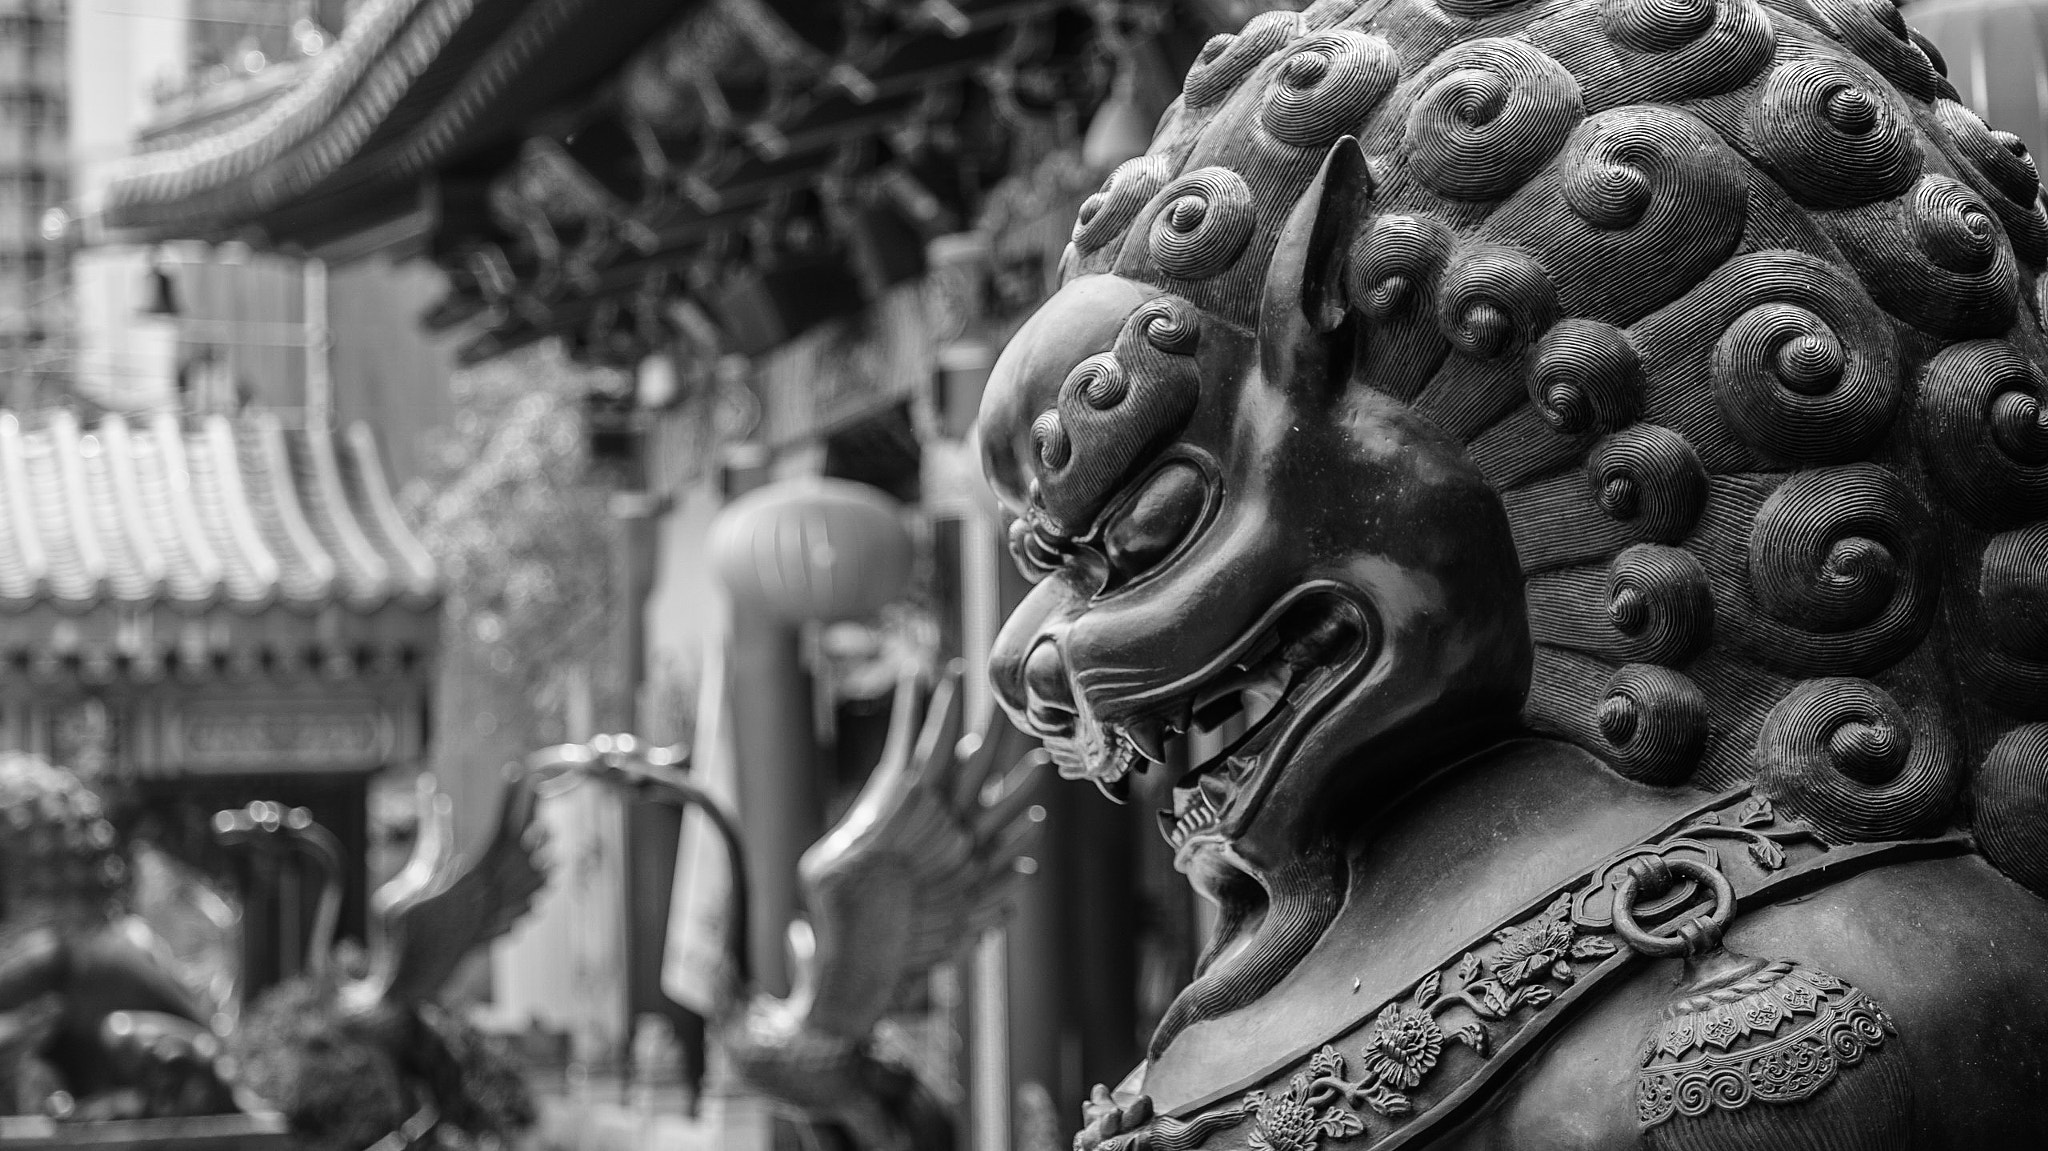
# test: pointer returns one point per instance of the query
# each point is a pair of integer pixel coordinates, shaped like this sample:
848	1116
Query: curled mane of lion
1737	308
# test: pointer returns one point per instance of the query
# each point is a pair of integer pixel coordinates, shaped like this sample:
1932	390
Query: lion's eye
1153	525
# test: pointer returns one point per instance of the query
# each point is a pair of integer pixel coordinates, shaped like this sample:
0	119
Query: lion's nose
1049	695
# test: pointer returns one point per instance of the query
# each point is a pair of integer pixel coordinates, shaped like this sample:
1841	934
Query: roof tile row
244	513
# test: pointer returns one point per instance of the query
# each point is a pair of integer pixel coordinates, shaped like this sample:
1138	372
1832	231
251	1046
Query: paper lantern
813	550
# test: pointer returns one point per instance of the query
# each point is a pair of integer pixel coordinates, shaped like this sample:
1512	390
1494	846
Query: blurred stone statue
97	1018
100	1020
358	1049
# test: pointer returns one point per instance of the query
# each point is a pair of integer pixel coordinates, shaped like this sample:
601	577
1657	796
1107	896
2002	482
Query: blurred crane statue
922	864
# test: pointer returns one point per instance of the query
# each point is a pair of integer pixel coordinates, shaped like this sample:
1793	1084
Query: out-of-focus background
397	387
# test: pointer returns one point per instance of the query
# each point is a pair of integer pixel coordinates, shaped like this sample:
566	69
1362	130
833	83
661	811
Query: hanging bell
1743	1030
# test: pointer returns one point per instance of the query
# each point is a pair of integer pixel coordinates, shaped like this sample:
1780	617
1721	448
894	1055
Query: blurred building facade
798	232
34	174
213	599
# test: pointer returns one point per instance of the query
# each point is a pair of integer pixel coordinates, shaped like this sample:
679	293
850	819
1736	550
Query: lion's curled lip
1271	684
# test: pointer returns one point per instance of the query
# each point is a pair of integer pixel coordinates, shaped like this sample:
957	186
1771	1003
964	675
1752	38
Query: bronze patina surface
1595	452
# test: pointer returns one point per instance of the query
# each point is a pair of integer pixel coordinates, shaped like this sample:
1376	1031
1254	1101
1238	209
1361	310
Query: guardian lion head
1661	376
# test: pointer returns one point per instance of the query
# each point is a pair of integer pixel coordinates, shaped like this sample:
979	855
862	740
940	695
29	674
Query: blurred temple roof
147	546
409	85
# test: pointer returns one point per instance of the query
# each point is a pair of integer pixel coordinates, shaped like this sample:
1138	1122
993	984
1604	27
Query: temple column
781	811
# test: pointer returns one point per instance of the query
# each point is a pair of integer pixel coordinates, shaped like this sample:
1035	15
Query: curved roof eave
408	84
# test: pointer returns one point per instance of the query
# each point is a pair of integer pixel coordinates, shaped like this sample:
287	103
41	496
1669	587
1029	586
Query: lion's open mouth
1264	688
1260	696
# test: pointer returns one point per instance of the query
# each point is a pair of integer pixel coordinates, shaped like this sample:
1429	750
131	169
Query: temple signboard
323	735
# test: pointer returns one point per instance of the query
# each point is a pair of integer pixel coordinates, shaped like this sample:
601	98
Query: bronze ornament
1589	407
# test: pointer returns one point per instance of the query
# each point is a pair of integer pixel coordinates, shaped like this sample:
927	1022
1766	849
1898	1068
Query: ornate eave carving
754	143
365	116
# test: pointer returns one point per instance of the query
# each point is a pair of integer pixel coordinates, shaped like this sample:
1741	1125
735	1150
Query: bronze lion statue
1587	459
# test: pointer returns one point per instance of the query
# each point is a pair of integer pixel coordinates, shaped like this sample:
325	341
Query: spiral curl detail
1876	31
2012	587
1632	52
1843	559
1394	265
1954	226
1788	384
1983	431
1650	478
2000	157
1128	189
1326	85
2007	176
1610	179
1851	1039
1936	259
1841	754
1657	25
1049	437
1654	721
1099	380
2001	646
1493	300
1585	376
1659	601
2009	793
1832	136
1492	113
1204	225
1170	326
1227	59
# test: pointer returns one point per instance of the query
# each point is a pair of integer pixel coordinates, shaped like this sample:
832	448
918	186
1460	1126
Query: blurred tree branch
522	535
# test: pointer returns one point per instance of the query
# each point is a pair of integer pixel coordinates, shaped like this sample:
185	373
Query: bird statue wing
923	863
434	914
433	843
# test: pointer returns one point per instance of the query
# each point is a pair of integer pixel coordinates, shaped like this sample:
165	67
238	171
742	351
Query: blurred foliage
338	1090
523	539
345	1081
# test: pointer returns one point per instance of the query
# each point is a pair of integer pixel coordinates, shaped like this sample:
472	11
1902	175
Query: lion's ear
1304	296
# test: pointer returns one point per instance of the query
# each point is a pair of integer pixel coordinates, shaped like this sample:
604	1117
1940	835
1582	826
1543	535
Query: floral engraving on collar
1526	968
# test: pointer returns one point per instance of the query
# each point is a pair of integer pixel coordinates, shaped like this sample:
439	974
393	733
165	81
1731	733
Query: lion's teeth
1148	738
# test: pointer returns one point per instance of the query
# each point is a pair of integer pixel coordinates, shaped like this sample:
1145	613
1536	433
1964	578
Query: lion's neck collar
1454	859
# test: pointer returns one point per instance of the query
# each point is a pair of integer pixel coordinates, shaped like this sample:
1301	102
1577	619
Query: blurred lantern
813	549
1996	54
